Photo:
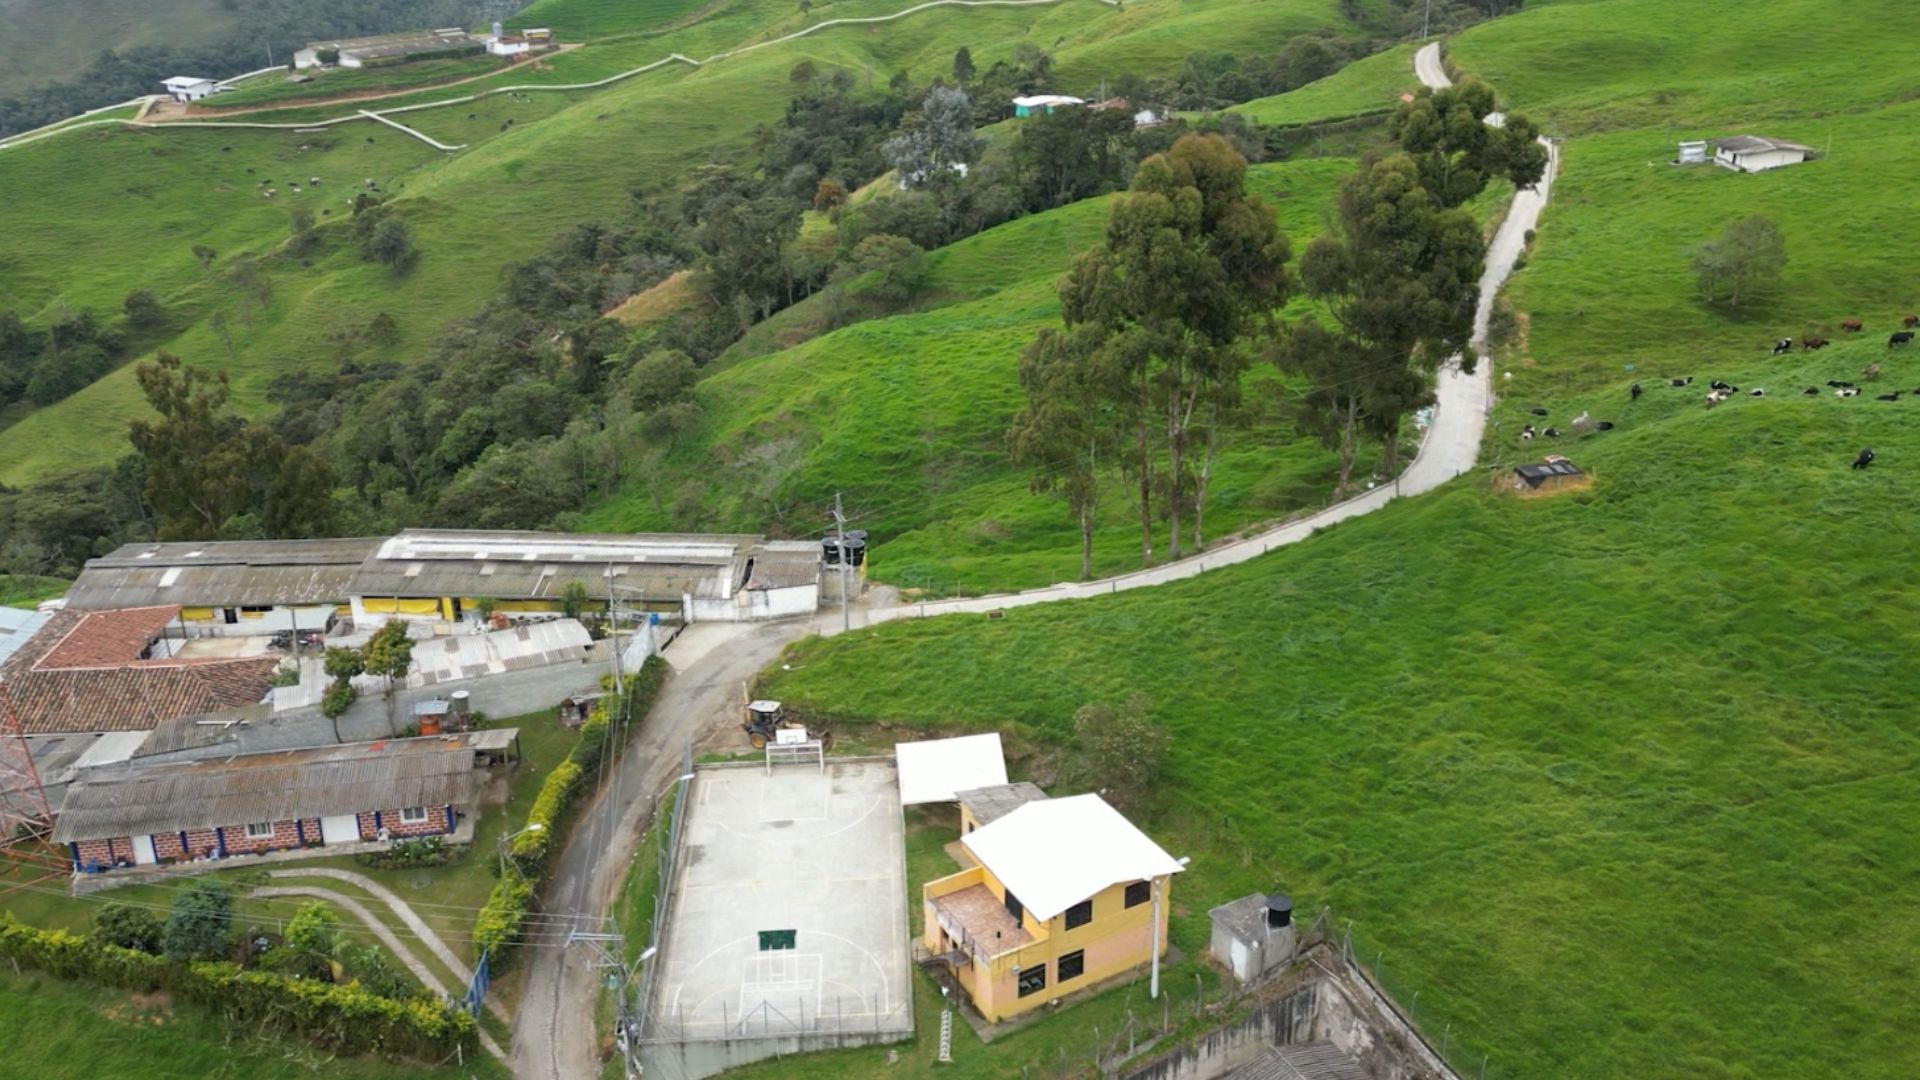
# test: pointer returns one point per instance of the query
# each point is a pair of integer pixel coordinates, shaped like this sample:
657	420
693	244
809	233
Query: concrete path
1449	448
427	976
421	931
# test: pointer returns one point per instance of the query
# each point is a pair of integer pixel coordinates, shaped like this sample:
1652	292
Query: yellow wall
197	614
401	605
1118	939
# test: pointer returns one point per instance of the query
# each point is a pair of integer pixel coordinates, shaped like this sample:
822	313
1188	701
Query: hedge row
506	909
348	1019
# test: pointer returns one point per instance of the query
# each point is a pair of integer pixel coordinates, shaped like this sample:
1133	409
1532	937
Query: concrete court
820	854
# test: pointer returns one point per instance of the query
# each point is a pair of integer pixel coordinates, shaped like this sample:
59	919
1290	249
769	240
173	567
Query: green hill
42	41
566	159
1620	782
1617	780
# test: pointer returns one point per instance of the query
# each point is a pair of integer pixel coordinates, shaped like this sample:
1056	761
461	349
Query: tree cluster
42	365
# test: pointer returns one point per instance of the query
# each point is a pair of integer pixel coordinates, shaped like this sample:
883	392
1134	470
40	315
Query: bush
348	1019
500	919
128	927
201	924
338	699
407	854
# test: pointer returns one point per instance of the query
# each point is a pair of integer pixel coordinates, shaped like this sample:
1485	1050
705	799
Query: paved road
553	1036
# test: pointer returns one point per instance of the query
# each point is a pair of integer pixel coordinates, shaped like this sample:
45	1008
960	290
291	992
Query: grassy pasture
1618	780
501	200
1370	83
267	89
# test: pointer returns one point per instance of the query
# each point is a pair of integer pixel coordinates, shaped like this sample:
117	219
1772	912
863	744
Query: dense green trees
1745	260
1162	320
201	924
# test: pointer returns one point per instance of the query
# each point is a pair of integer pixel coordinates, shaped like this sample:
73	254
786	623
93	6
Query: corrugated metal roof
989	804
17	627
228	573
534	565
134	799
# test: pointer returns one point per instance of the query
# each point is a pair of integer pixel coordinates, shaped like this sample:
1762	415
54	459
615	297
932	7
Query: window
1013	907
413	815
778	939
1072	965
1139	893
1033	980
1080	914
260	830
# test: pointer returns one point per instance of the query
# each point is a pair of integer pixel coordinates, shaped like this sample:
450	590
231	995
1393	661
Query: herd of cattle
1718	391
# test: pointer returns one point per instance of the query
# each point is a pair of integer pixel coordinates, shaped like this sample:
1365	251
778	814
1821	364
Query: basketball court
789	920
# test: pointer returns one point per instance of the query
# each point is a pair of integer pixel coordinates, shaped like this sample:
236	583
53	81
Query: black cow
1634	392
1865	459
1900	337
1784	345
1680	382
1604	425
1895	396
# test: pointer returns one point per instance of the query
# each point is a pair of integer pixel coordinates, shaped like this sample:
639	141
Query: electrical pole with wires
846	562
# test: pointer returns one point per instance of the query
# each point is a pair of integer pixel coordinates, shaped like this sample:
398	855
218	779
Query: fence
639	1019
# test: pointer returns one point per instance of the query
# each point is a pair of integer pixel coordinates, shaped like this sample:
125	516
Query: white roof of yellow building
936	770
1054	853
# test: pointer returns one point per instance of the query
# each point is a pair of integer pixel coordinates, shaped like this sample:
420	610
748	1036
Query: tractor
765	719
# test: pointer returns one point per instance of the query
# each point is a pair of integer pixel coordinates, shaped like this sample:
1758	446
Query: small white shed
188	87
1753	153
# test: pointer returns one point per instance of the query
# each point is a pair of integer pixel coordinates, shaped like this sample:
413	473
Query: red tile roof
109	637
83	672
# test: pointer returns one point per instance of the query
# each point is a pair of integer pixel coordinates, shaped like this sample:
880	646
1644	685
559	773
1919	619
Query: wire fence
640	1018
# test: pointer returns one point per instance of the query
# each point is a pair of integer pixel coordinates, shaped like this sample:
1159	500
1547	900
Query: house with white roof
1065	893
1755	153
188	87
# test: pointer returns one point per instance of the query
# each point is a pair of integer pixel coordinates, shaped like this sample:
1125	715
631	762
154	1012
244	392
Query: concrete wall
287	835
696	1060
212	622
1321	998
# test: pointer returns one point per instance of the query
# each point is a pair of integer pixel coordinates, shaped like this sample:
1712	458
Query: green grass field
1371	84
65	1031
1621	781
503	198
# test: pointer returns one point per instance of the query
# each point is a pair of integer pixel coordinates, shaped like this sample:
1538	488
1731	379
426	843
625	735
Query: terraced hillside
1620	782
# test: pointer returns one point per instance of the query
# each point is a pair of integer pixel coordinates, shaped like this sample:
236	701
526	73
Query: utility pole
846	564
613	633
1426	19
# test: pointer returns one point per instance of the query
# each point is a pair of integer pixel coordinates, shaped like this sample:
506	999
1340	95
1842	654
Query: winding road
553	1037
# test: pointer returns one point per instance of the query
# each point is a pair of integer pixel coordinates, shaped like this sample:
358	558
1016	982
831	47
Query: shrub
414	852
128	927
338	699
201	924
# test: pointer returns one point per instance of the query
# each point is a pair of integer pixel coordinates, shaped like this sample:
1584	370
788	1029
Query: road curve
553	1033
1449	448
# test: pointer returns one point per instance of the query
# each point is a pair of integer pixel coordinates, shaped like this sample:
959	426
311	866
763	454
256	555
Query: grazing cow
1900	337
1680	382
1910	321
1552	433
1813	341
1538	411
1718	385
1870	372
1865	459
1784	345
313	180
1715	398
1526	433
1851	326
1895	396
1811	391
1838	382
1604	425
1634	392
1846	391
1756	392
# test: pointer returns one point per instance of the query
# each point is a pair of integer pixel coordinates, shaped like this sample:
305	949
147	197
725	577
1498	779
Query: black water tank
856	551
1279	911
830	551
856	534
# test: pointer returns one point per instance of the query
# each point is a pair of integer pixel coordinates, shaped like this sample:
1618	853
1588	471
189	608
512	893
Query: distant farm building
188	87
1752	153
1551	476
1142	116
1692	153
1043	103
519	42
389	49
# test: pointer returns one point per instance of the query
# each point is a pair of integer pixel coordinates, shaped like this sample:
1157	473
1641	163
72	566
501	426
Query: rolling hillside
1620	782
567	158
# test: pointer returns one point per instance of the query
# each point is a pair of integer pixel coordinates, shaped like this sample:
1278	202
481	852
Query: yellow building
1066	892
